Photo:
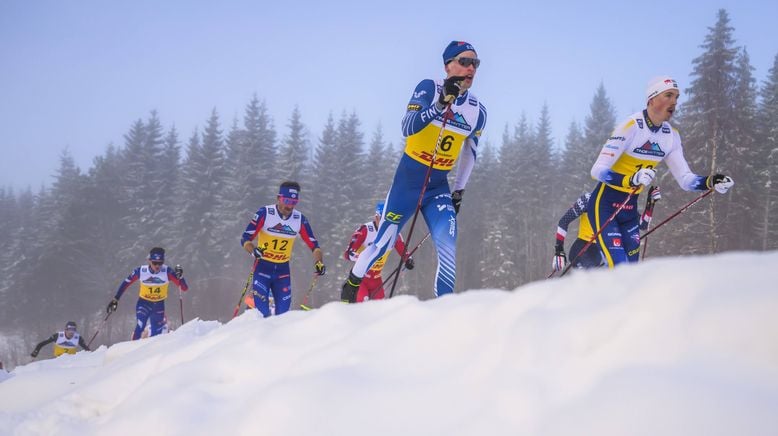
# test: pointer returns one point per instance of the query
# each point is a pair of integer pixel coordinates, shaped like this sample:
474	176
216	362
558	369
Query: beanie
454	49
660	84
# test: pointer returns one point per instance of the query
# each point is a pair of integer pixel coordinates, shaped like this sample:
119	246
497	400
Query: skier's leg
282	288
157	317
142	312
261	288
442	223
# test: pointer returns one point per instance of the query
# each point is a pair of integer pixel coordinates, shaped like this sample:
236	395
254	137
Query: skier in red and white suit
372	286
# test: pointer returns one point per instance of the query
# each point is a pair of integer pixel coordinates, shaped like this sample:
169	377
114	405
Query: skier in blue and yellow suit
421	127
627	163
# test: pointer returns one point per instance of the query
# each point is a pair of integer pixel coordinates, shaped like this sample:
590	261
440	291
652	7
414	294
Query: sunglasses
288	201
466	62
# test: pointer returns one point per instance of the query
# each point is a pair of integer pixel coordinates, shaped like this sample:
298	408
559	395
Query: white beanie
660	84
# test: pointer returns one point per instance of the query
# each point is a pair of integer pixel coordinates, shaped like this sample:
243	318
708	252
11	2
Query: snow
673	346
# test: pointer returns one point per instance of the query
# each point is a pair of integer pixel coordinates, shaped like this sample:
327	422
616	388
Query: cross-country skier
592	257
372	286
275	227
155	277
432	100
628	161
65	342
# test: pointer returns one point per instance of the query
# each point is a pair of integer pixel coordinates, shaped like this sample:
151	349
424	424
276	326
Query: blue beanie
157	254
454	49
379	208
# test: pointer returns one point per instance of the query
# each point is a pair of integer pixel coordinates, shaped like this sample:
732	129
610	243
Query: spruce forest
65	248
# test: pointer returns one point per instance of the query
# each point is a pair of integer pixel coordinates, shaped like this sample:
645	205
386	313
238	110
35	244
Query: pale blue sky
76	74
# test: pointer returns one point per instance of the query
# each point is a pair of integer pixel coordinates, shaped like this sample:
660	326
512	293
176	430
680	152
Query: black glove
456	199
451	90
179	271
257	252
34	354
320	268
409	263
112	305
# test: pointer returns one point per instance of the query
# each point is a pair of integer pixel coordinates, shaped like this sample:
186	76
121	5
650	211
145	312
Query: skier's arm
134	275
577	209
420	110
610	153
82	343
252	229
38	347
306	234
470	151
181	283
675	160
357	239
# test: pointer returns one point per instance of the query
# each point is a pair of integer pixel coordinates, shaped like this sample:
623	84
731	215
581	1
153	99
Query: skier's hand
643	176
179	271
450	91
319	268
409	263
720	183
112	306
456	199
34	354
257	252
560	260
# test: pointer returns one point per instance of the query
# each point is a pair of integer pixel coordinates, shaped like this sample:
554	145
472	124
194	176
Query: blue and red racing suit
276	234
421	127
151	296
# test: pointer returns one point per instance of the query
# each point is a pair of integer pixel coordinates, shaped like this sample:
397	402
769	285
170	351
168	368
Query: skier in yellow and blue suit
628	162
65	342
421	126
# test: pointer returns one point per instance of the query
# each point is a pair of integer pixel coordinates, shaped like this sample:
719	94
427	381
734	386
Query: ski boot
349	292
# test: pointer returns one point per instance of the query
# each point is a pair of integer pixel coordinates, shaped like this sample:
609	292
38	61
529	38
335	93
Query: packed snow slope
673	346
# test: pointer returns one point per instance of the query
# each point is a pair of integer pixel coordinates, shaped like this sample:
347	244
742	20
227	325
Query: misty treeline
64	249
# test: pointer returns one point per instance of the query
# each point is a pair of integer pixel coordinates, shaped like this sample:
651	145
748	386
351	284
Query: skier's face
456	68
69	332
663	105
155	266
286	205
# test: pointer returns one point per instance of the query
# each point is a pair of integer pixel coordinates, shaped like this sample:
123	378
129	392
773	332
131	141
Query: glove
720	183
257	252
643	176
560	260
34	354
456	199
409	263
654	194
450	91
320	268
112	306
179	272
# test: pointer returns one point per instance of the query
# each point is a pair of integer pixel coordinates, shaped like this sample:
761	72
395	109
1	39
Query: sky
691	351
75	75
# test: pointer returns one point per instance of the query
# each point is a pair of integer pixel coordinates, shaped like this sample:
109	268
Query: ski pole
602	227
181	305
89	344
409	254
680	211
307	294
650	208
245	289
446	115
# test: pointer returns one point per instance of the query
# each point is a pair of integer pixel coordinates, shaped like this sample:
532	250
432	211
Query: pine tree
295	150
708	128
766	176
